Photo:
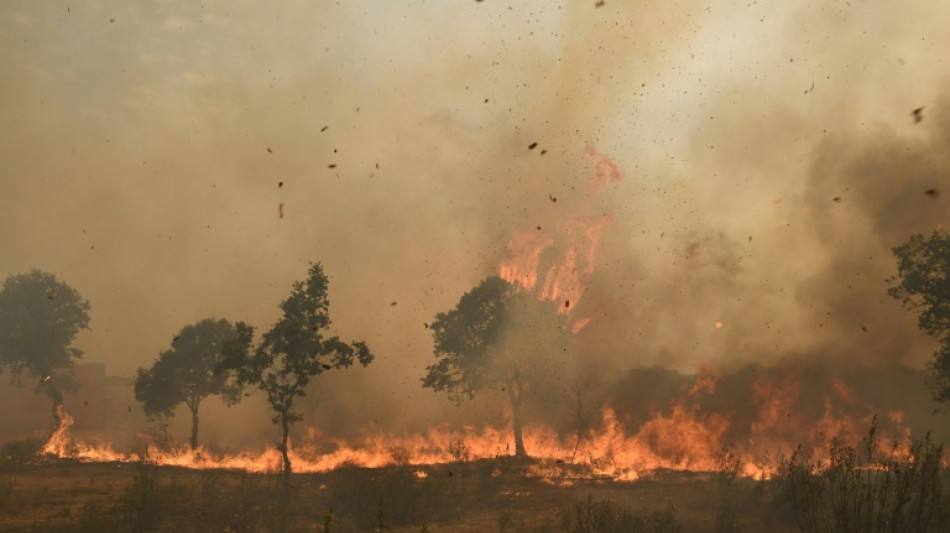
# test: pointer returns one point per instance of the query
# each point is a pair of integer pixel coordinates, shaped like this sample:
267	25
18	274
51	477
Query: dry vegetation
857	489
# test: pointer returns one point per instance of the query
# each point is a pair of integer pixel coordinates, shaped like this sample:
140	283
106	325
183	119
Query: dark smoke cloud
881	182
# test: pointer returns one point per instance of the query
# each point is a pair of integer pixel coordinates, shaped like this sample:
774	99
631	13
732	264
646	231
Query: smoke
769	238
150	151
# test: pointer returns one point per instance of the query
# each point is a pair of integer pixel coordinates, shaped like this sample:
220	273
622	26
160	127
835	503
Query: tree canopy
465	339
295	350
40	318
922	284
496	338
190	371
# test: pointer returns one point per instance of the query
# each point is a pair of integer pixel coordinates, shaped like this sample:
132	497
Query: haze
769	156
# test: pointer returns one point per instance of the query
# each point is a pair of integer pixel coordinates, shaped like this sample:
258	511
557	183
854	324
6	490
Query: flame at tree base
611	455
684	440
688	435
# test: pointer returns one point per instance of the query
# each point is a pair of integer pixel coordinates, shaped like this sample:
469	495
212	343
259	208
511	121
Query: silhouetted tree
190	371
495	338
582	406
40	317
922	284
294	351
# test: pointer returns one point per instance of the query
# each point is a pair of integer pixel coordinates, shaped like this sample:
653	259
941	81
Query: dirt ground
484	496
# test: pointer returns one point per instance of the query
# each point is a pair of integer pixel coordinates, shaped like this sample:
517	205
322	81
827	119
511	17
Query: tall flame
59	441
569	248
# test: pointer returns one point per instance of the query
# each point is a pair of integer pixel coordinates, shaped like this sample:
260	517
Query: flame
571	248
605	168
686	435
524	250
579	325
58	442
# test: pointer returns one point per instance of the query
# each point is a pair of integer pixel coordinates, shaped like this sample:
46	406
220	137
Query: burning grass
671	471
488	495
869	489
869	485
781	410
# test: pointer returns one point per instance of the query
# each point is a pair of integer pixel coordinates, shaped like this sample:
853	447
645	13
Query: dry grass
481	496
500	495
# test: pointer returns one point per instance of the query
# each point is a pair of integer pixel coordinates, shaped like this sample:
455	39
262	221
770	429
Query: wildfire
570	247
691	432
57	443
686	436
525	249
687	433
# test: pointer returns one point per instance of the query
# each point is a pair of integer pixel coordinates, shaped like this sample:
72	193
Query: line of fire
514	337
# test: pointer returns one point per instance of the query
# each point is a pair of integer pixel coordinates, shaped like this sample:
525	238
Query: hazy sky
143	144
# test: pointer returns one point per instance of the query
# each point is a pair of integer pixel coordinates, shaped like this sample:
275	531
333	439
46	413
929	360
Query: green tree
496	338
922	284
293	352
40	317
190	371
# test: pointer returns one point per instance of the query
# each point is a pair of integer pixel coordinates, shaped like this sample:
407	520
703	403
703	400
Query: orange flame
525	250
58	442
687	436
573	247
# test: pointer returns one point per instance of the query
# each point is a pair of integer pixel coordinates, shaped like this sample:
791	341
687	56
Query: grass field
484	496
848	489
492	495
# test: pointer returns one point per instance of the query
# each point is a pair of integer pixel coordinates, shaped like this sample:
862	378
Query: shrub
16	453
590	516
860	490
147	503
727	477
8	490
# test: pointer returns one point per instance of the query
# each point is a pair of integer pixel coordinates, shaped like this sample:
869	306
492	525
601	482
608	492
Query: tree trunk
57	398
515	398
194	425
581	421
283	446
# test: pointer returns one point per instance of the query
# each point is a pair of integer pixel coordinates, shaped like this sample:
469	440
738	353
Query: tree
922	284
40	317
585	382
495	338
292	352
190	371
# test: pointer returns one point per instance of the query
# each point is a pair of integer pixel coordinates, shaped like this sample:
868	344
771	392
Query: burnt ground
503	495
